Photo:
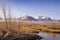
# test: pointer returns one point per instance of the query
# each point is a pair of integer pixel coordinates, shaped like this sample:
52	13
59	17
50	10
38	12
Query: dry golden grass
26	27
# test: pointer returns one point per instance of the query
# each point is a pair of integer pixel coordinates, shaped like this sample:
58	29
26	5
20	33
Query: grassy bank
29	27
17	30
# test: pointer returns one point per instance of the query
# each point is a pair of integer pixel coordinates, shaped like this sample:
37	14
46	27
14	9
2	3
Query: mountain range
40	18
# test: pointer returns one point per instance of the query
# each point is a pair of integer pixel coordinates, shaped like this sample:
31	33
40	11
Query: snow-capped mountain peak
40	18
27	18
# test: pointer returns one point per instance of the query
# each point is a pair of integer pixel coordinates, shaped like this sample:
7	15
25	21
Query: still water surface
49	36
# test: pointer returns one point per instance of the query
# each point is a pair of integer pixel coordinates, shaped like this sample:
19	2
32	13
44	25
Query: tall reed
4	13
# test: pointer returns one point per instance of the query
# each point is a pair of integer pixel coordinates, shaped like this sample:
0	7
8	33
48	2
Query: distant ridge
27	18
40	18
30	18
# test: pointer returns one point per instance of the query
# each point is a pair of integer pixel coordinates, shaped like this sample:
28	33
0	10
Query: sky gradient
49	8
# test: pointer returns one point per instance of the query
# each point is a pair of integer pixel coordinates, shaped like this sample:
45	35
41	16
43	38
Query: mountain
43	18
30	18
27	18
40	18
57	20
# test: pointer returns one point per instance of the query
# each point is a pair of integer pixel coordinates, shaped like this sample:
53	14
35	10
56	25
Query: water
49	36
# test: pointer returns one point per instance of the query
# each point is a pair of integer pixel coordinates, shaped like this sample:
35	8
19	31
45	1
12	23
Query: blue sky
50	8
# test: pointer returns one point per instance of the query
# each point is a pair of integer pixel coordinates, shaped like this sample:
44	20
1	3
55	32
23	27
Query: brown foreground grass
17	31
30	27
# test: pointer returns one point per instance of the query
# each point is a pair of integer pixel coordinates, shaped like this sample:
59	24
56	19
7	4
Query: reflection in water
49	36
